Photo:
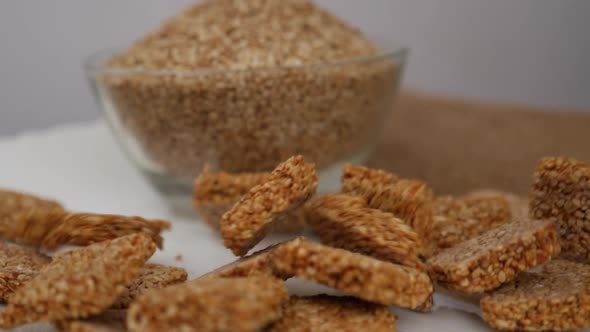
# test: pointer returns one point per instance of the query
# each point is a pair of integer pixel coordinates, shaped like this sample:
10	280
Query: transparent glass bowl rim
95	64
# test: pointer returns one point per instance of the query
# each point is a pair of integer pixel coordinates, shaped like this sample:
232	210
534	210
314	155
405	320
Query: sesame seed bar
556	299
44	223
362	276
290	185
18	265
458	219
323	313
86	228
212	304
217	192
345	222
256	263
408	200
26	218
79	283
561	192
153	276
495	257
108	321
519	205
364	181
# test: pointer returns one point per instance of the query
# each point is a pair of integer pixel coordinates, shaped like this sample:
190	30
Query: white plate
82	167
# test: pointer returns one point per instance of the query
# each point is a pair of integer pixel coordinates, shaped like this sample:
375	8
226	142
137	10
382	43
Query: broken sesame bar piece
290	185
18	265
212	304
519	205
362	276
108	321
217	192
458	219
561	192
495	257
86	228
323	313
256	263
346	222
79	283
556	299
364	181
43	223
153	276
26	218
408	200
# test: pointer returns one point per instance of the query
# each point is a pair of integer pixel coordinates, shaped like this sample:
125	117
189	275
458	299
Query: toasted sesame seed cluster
290	185
364	181
561	192
26	218
152	276
557	299
323	313
42	223
108	321
519	205
18	265
409	200
79	283
496	257
87	228
362	276
345	222
256	263
217	192
246	84
211	304
458	219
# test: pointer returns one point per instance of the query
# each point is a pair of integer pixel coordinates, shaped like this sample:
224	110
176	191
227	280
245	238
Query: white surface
81	167
533	51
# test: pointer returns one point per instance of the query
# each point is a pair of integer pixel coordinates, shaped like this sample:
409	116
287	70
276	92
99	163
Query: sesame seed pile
366	243
245	84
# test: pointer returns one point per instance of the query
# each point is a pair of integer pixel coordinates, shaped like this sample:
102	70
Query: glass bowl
172	123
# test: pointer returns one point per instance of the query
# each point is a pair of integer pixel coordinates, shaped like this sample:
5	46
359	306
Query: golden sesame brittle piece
153	276
290	185
43	223
458	219
217	192
211	304
79	283
556	299
495	257
108	321
364	181
519	205
26	218
323	313
18	265
346	222
253	264
86	228
362	276
407	199
561	192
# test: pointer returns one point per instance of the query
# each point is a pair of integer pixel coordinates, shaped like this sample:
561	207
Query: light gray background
530	51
